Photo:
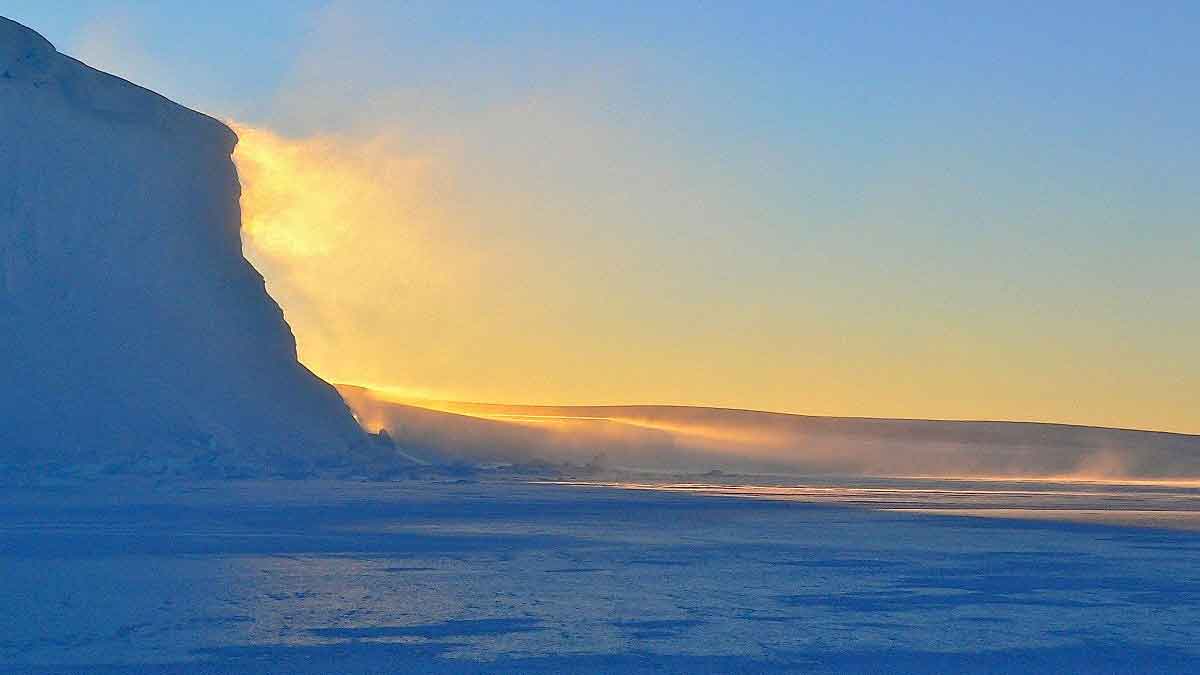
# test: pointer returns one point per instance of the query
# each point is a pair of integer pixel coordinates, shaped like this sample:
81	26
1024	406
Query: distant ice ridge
130	322
697	439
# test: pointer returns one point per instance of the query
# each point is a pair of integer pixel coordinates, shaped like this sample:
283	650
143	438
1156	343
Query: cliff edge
130	322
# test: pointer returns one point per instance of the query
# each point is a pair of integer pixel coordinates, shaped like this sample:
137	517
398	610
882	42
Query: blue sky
896	209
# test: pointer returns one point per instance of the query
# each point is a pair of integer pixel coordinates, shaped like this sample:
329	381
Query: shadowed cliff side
130	322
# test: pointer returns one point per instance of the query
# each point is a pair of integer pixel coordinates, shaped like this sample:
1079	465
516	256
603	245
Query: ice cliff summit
130	322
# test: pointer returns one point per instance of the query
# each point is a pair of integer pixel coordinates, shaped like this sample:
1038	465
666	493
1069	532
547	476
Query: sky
936	210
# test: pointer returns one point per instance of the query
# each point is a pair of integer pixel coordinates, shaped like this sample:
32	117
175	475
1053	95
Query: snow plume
343	227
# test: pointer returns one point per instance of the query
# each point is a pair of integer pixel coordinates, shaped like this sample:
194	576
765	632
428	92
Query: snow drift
130	322
697	439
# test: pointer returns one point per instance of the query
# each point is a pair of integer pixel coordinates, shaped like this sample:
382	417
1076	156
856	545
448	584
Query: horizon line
414	400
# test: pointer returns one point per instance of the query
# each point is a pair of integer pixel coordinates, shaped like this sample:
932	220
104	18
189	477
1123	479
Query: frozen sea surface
430	576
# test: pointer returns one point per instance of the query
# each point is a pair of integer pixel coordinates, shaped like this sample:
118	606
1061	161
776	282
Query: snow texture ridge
130	322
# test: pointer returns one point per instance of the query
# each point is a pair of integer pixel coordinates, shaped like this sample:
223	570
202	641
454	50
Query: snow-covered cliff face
130	322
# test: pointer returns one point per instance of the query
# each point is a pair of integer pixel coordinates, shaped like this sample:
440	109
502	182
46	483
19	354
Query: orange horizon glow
430	400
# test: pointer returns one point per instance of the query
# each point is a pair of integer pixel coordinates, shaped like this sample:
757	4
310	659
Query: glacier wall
130	322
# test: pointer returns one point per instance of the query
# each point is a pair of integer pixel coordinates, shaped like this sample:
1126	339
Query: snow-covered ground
512	576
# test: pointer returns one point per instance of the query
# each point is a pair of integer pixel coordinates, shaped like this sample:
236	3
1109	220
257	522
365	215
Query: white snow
423	576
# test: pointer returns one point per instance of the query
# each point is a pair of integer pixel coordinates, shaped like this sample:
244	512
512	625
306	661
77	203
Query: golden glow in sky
396	275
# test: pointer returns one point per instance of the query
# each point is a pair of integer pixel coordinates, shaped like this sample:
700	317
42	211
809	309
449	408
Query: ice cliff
130	322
